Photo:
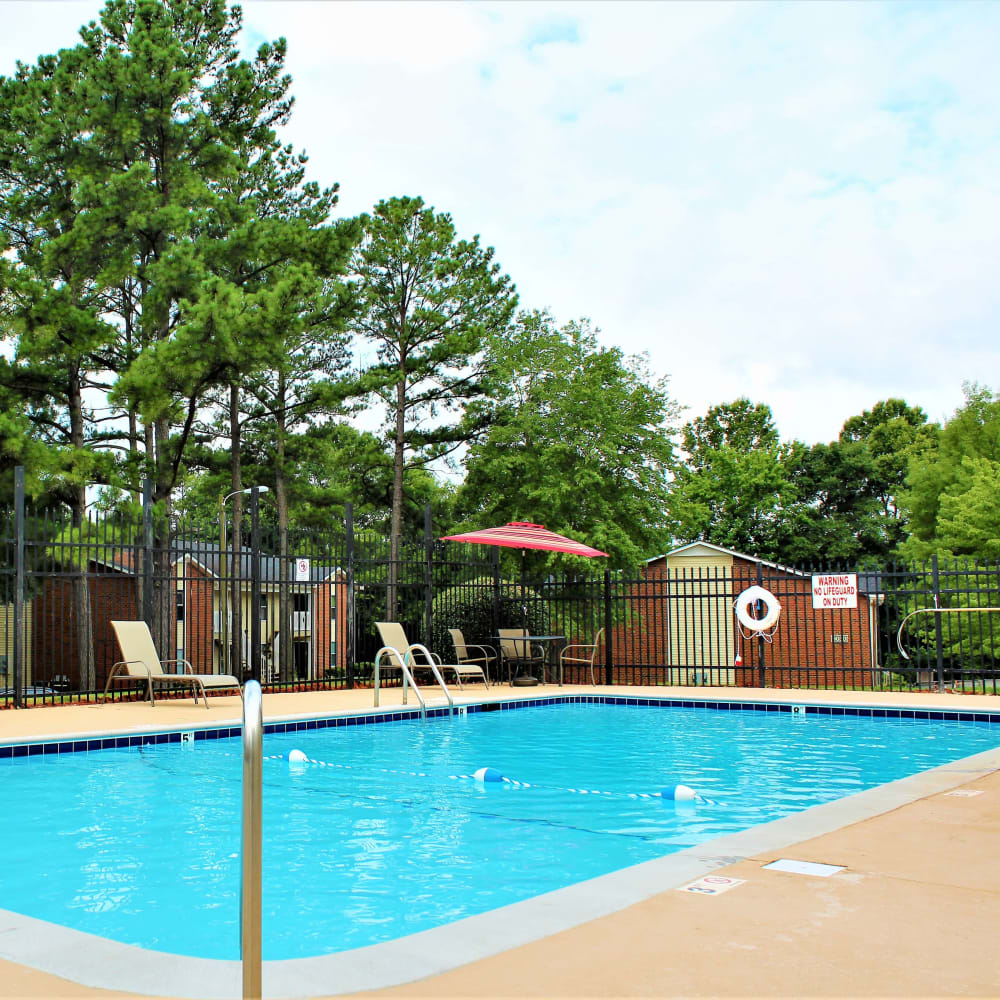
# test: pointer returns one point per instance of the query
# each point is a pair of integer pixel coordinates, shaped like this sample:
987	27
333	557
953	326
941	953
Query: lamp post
223	570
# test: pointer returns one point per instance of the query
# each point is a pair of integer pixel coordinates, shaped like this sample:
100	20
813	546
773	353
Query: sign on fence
301	570
835	590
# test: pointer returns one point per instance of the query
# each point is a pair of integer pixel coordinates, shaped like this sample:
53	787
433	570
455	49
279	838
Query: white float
485	774
751	596
679	793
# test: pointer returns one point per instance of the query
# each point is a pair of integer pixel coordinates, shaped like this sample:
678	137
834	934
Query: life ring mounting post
743	606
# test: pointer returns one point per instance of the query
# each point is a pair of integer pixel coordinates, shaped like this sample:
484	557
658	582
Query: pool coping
306	721
102	963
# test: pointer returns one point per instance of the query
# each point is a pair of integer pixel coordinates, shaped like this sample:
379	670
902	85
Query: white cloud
792	202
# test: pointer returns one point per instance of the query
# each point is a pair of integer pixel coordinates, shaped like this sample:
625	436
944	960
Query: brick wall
810	648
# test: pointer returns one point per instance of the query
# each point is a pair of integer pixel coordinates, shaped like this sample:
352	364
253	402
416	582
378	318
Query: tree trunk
396	527
86	661
163	583
235	568
281	501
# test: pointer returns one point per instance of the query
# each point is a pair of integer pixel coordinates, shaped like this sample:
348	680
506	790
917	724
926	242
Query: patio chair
141	662
472	653
581	654
393	637
519	653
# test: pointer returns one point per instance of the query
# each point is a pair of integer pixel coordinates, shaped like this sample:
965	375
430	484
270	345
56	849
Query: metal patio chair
581	654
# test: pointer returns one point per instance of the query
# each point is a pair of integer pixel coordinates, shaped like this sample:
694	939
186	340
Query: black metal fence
299	612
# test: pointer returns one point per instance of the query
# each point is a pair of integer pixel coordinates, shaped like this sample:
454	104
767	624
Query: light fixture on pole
224	660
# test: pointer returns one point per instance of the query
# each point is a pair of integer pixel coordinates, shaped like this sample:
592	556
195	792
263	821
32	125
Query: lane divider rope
489	775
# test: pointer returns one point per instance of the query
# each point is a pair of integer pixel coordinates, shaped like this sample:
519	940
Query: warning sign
835	590
301	570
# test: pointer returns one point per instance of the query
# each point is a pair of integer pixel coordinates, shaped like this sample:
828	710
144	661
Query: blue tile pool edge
290	724
104	964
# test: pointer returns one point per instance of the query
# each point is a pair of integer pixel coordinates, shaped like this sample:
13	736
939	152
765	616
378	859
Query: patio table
547	641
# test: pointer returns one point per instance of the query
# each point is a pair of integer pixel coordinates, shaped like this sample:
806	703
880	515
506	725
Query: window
180	605
263	607
300	602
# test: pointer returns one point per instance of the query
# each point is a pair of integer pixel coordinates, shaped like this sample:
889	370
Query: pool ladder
404	662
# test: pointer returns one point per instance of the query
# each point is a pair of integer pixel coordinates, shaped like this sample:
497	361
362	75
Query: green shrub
470	608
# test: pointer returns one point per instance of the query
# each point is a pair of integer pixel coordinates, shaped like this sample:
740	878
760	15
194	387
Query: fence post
609	659
255	584
761	644
428	575
147	551
938	639
18	650
349	622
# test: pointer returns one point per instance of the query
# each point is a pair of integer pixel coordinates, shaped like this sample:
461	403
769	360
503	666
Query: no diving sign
712	885
835	590
301	570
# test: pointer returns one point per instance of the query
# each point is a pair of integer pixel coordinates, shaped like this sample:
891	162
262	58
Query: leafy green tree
51	303
579	441
892	435
741	424
735	487
848	506
951	509
427	302
831	517
185	222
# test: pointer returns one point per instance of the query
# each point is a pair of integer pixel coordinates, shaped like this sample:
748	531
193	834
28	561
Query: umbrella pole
524	599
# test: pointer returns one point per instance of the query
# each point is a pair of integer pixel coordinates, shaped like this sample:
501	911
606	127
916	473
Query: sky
797	203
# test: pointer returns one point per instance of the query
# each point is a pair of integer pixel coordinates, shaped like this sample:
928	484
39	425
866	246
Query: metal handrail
252	846
433	665
401	664
408	680
936	611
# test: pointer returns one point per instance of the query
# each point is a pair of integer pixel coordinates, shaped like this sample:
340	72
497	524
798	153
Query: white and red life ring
749	597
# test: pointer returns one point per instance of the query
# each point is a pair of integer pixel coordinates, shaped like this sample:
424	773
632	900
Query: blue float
485	774
679	793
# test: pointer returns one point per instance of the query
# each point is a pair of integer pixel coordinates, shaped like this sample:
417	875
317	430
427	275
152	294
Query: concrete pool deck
913	912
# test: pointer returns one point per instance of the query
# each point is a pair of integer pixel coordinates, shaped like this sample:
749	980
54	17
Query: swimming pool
388	833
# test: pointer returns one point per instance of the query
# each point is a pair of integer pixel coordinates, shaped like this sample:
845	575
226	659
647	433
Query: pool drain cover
804	867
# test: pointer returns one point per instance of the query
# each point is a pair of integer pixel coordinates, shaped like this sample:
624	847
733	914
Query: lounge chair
581	654
519	653
393	637
141	662
472	653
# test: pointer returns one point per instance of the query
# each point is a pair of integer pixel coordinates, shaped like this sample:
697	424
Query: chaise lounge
141	662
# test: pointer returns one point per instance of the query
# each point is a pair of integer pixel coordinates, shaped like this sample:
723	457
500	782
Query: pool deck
913	913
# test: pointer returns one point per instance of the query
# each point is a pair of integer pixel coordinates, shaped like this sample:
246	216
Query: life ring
750	596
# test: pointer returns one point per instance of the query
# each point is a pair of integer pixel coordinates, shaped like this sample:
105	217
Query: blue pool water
390	835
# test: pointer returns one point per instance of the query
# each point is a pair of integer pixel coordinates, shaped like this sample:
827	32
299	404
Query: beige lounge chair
394	638
472	653
141	662
581	654
518	652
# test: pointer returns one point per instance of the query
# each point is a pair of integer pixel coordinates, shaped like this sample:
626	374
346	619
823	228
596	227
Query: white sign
301	570
835	590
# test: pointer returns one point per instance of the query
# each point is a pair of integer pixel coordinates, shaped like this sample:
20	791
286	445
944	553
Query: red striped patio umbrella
524	535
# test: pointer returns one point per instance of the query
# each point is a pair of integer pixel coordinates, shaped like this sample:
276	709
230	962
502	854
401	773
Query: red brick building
198	632
679	626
